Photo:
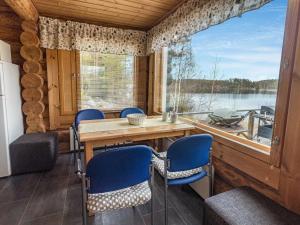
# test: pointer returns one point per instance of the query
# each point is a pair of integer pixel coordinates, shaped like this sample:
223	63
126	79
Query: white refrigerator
11	117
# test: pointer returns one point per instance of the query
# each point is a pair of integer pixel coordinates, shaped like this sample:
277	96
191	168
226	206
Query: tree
181	67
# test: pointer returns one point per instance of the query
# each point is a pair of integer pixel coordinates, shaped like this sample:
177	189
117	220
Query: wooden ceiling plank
63	6
24	8
124	5
140	14
84	19
169	13
100	17
75	15
163	5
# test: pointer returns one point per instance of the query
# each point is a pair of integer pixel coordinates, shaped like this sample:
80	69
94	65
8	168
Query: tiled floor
54	198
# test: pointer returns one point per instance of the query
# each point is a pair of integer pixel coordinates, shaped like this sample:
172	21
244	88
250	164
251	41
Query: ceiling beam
24	9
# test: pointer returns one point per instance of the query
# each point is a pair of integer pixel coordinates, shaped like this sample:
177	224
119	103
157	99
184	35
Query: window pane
228	74
106	81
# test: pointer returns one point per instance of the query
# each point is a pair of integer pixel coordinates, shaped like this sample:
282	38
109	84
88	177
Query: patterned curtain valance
69	35
194	16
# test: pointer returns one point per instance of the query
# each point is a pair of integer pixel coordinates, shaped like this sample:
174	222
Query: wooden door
62	72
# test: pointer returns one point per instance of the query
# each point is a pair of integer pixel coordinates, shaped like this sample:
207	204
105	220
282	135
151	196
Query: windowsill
248	147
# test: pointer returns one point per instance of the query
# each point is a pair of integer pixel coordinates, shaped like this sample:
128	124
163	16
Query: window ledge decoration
194	16
70	35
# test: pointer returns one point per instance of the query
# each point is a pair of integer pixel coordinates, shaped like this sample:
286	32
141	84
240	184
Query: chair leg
210	176
84	204
85	222
166	201
152	194
74	150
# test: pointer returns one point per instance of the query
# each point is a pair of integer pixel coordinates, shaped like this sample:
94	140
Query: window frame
272	154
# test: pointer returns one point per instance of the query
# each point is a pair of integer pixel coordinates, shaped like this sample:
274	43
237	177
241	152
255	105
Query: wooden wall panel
290	167
155	83
141	77
62	92
285	77
261	171
67	76
233	177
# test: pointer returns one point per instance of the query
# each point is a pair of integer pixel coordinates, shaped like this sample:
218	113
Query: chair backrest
119	168
126	111
189	152
88	114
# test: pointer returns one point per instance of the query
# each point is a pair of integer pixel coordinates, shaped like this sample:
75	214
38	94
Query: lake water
208	102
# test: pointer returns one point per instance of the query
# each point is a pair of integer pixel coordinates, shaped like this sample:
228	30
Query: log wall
32	93
10	31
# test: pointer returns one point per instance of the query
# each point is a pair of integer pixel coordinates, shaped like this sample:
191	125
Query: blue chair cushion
128	197
188	180
160	167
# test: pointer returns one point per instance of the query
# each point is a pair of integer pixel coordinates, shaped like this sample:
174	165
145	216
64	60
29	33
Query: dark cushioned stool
33	153
244	206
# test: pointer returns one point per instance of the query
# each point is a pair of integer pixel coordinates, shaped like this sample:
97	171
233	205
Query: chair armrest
75	132
158	155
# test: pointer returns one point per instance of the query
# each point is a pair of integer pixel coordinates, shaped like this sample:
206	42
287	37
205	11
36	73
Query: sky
243	47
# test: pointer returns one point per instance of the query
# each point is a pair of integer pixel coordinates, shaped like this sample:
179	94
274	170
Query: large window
227	76
106	81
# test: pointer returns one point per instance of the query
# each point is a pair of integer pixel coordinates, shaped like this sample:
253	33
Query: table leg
187	133
88	152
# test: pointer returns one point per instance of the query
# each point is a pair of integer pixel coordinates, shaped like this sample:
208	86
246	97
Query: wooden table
98	133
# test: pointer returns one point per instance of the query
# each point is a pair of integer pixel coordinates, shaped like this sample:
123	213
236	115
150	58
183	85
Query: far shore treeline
234	86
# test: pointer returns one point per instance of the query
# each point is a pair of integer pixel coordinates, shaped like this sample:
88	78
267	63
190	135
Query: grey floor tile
19	187
127	216
159	203
48	199
159	218
11	213
3	182
62	168
73	204
73	219
188	203
55	219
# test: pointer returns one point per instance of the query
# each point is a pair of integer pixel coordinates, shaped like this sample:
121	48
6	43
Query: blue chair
118	178
126	111
85	114
183	163
88	114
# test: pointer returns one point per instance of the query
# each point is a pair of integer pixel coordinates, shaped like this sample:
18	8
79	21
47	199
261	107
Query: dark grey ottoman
244	206
33	152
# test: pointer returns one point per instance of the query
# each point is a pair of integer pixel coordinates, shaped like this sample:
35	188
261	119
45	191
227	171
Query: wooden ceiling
134	14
